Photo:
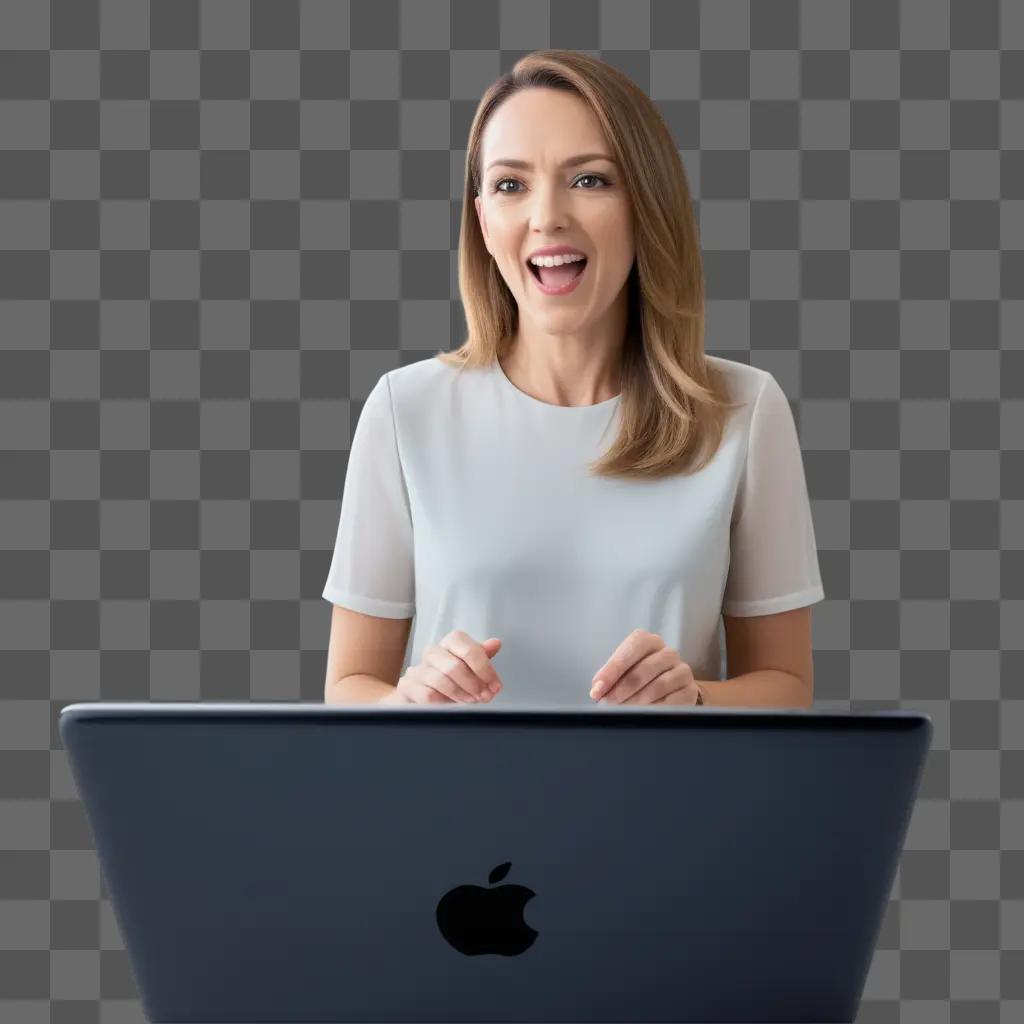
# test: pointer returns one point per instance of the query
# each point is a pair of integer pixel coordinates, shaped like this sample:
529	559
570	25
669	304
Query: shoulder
425	386
745	382
416	381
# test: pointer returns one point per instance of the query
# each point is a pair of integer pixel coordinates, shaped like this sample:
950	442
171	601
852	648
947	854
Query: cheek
503	243
616	264
613	237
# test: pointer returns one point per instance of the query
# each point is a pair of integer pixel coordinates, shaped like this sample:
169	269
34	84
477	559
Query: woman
478	495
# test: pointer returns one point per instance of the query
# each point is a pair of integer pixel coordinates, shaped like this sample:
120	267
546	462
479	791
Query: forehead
541	125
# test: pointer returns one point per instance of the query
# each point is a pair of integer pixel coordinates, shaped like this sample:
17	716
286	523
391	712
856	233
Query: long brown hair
674	402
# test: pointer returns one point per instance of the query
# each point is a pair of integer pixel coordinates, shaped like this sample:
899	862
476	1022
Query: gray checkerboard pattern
221	222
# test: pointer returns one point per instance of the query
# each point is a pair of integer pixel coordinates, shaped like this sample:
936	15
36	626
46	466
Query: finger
474	656
636	646
446	686
660	687
640	675
469	684
425	693
459	682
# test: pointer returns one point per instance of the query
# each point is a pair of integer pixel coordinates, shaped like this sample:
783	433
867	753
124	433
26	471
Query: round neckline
508	385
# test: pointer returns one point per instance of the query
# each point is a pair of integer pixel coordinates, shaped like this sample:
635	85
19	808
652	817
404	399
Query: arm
365	651
766	687
772	658
357	689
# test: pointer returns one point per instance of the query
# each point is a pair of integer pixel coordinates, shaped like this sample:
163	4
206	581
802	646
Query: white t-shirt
467	505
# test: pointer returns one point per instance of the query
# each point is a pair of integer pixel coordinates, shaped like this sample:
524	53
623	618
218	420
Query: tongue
557	277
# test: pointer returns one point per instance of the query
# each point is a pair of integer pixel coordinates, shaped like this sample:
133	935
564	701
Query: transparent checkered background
221	222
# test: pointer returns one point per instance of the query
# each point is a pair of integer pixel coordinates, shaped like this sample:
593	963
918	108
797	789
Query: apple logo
476	920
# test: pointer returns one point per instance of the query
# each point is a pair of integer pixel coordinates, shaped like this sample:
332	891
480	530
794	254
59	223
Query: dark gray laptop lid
306	862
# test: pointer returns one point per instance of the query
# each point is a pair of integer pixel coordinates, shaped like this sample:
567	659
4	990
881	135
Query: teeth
554	261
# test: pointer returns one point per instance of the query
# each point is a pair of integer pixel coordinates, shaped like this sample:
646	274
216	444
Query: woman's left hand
642	670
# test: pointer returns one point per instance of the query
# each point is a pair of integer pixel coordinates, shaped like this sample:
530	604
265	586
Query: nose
547	211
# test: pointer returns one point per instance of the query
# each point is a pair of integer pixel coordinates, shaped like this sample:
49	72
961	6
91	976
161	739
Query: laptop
312	862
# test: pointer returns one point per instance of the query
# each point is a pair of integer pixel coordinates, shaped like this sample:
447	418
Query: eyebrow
571	162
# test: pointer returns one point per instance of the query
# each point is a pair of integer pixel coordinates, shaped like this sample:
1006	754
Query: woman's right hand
456	671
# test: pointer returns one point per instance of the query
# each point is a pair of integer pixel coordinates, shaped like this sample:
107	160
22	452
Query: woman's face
522	209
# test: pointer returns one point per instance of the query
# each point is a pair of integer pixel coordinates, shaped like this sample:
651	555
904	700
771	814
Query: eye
496	186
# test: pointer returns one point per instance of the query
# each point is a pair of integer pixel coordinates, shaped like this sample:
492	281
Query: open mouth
555	278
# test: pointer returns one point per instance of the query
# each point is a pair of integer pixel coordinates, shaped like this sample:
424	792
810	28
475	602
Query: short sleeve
372	567
773	563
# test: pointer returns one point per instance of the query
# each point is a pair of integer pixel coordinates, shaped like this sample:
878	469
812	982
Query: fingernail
495	687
